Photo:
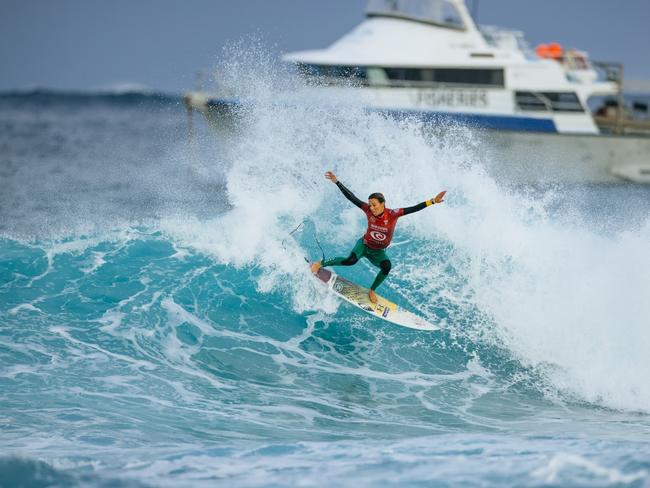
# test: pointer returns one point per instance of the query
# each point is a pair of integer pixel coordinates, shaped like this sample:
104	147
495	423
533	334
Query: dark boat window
548	101
490	77
404	74
410	76
452	76
530	101
332	71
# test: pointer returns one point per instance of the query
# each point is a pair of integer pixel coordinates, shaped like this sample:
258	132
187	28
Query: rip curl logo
378	236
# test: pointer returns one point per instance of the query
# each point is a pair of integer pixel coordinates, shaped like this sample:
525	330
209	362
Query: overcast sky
89	44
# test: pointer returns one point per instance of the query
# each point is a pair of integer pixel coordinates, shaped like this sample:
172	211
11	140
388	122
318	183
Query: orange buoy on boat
542	51
555	51
549	51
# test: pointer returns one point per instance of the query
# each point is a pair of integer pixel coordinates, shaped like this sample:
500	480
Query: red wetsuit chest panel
380	229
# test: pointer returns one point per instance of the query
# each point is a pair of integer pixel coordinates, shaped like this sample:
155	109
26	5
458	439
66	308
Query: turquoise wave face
133	346
162	331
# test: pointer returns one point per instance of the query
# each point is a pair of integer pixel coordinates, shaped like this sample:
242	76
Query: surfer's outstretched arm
439	198
348	194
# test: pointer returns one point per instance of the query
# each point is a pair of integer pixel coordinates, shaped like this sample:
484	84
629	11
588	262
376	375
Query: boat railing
614	73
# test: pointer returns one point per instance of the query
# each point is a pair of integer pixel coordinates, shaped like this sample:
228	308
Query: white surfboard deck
383	309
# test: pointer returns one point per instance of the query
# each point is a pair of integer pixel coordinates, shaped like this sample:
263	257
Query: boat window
438	12
565	102
530	101
376	76
470	76
405	76
461	76
549	101
332	71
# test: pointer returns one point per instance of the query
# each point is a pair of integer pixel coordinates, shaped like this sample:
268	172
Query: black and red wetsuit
377	237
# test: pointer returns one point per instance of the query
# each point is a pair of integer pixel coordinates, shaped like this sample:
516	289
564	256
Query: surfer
381	224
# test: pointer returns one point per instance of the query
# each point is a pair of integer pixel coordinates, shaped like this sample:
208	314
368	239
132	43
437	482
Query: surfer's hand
439	198
331	176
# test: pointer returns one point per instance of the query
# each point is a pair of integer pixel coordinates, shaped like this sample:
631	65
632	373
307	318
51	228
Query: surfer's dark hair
377	196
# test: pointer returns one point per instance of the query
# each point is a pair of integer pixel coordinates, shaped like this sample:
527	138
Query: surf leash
315	238
319	247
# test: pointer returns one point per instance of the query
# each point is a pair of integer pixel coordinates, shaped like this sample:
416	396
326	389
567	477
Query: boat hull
525	157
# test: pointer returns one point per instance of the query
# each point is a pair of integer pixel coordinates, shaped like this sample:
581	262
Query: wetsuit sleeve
416	208
350	196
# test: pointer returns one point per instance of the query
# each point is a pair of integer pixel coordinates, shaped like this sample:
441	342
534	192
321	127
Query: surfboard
383	309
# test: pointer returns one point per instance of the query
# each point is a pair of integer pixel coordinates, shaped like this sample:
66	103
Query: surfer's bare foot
373	296
315	267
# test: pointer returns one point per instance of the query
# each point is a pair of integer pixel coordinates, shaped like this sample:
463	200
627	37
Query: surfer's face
376	207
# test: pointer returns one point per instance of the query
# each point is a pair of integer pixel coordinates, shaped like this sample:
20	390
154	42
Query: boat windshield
509	39
438	12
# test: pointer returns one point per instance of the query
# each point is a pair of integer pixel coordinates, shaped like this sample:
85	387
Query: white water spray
564	299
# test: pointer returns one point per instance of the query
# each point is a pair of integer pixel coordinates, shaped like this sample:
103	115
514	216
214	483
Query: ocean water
159	327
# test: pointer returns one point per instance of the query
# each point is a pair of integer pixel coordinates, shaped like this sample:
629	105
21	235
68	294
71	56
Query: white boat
428	59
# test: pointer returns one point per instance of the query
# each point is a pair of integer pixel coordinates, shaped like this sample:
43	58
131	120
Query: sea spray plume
541	284
563	298
249	68
289	136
